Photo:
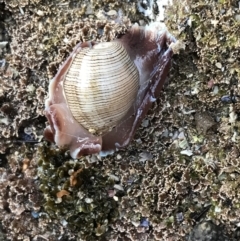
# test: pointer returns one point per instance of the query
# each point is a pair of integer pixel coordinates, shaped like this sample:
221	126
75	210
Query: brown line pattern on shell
104	67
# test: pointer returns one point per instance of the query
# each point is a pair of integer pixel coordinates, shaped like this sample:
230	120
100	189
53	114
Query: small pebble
204	122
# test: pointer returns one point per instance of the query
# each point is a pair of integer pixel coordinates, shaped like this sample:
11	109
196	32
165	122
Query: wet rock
207	231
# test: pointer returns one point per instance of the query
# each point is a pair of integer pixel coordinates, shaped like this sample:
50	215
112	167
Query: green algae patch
76	195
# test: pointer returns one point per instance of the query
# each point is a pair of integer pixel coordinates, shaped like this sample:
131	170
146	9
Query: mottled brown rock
204	121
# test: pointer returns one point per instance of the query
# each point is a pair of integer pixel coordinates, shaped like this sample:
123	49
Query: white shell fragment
118	187
100	86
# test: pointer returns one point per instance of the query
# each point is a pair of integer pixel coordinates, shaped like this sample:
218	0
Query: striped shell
100	86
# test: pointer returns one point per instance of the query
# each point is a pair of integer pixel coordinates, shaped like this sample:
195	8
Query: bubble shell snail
102	92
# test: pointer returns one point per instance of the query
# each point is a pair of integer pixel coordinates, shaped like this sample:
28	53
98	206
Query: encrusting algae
176	173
